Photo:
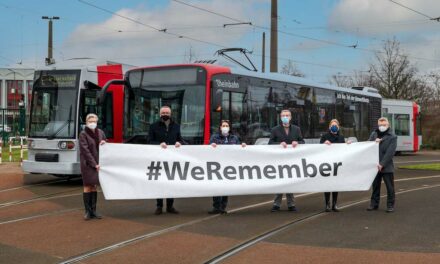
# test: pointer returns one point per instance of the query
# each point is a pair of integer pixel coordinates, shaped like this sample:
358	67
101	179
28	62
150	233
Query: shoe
275	209
335	209
87	197
158	211
223	211
94	199
328	208
390	210
292	209
372	208
172	210
87	216
215	211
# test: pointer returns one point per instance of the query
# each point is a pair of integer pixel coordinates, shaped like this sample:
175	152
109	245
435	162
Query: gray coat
387	149
89	157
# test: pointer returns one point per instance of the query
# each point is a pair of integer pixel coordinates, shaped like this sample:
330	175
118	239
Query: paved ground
41	222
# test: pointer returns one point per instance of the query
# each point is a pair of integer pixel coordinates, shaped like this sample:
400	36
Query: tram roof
397	102
78	63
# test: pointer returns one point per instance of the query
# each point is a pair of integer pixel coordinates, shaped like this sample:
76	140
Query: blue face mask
334	129
285	120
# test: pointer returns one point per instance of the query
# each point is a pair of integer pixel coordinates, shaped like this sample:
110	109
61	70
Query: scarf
94	135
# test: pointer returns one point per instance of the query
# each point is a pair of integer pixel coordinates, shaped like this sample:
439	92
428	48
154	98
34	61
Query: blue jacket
219	139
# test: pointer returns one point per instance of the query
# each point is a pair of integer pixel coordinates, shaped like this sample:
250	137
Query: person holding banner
285	134
387	148
89	140
222	137
332	136
165	132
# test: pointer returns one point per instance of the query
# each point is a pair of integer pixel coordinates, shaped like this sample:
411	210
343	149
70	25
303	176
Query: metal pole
263	62
274	37
49	59
50	44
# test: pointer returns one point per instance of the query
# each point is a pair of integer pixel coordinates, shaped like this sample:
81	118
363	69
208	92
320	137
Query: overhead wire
356	47
159	30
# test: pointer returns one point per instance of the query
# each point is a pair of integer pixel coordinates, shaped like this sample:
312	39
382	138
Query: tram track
60	194
37	184
245	244
270	233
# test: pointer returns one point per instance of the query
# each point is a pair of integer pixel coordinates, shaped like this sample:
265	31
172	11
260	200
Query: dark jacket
219	139
387	149
89	156
159	133
333	138
278	135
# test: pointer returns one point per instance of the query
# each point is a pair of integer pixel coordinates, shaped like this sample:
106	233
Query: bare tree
395	76
433	80
358	78
290	68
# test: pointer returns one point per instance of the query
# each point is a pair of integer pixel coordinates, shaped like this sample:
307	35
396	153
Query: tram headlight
62	145
66	145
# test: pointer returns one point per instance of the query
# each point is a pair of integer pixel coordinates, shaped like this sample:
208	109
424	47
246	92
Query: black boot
327	202
93	205
334	202
87	197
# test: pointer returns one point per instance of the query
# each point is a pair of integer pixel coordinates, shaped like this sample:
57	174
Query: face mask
334	129
383	128
285	120
225	130
165	117
91	125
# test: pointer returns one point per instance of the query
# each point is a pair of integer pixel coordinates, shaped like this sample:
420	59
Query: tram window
401	124
105	114
364	130
324	110
419	125
234	109
263	115
305	105
348	114
390	118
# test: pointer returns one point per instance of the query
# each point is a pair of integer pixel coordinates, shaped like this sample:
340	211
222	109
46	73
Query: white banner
148	171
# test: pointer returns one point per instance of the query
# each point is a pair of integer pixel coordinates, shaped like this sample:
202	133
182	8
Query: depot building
16	87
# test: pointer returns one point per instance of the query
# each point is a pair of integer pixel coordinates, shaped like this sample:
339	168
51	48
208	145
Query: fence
14	143
12	123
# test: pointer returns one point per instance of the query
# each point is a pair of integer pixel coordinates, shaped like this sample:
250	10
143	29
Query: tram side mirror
91	86
217	100
101	96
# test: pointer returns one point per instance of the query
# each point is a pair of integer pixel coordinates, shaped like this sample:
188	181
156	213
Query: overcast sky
315	34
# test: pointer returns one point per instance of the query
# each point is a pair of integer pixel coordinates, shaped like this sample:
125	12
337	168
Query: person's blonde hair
334	120
383	119
91	116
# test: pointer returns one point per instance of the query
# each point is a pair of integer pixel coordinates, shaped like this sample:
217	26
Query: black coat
387	149
159	133
333	138
219	139
278	135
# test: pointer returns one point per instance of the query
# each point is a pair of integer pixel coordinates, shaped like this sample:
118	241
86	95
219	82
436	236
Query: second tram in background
405	122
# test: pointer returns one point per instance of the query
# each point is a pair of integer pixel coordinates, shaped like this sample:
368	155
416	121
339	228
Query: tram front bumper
64	168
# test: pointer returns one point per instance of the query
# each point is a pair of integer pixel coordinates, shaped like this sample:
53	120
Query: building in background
16	87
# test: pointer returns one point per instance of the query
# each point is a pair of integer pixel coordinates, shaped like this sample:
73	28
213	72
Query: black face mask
165	118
